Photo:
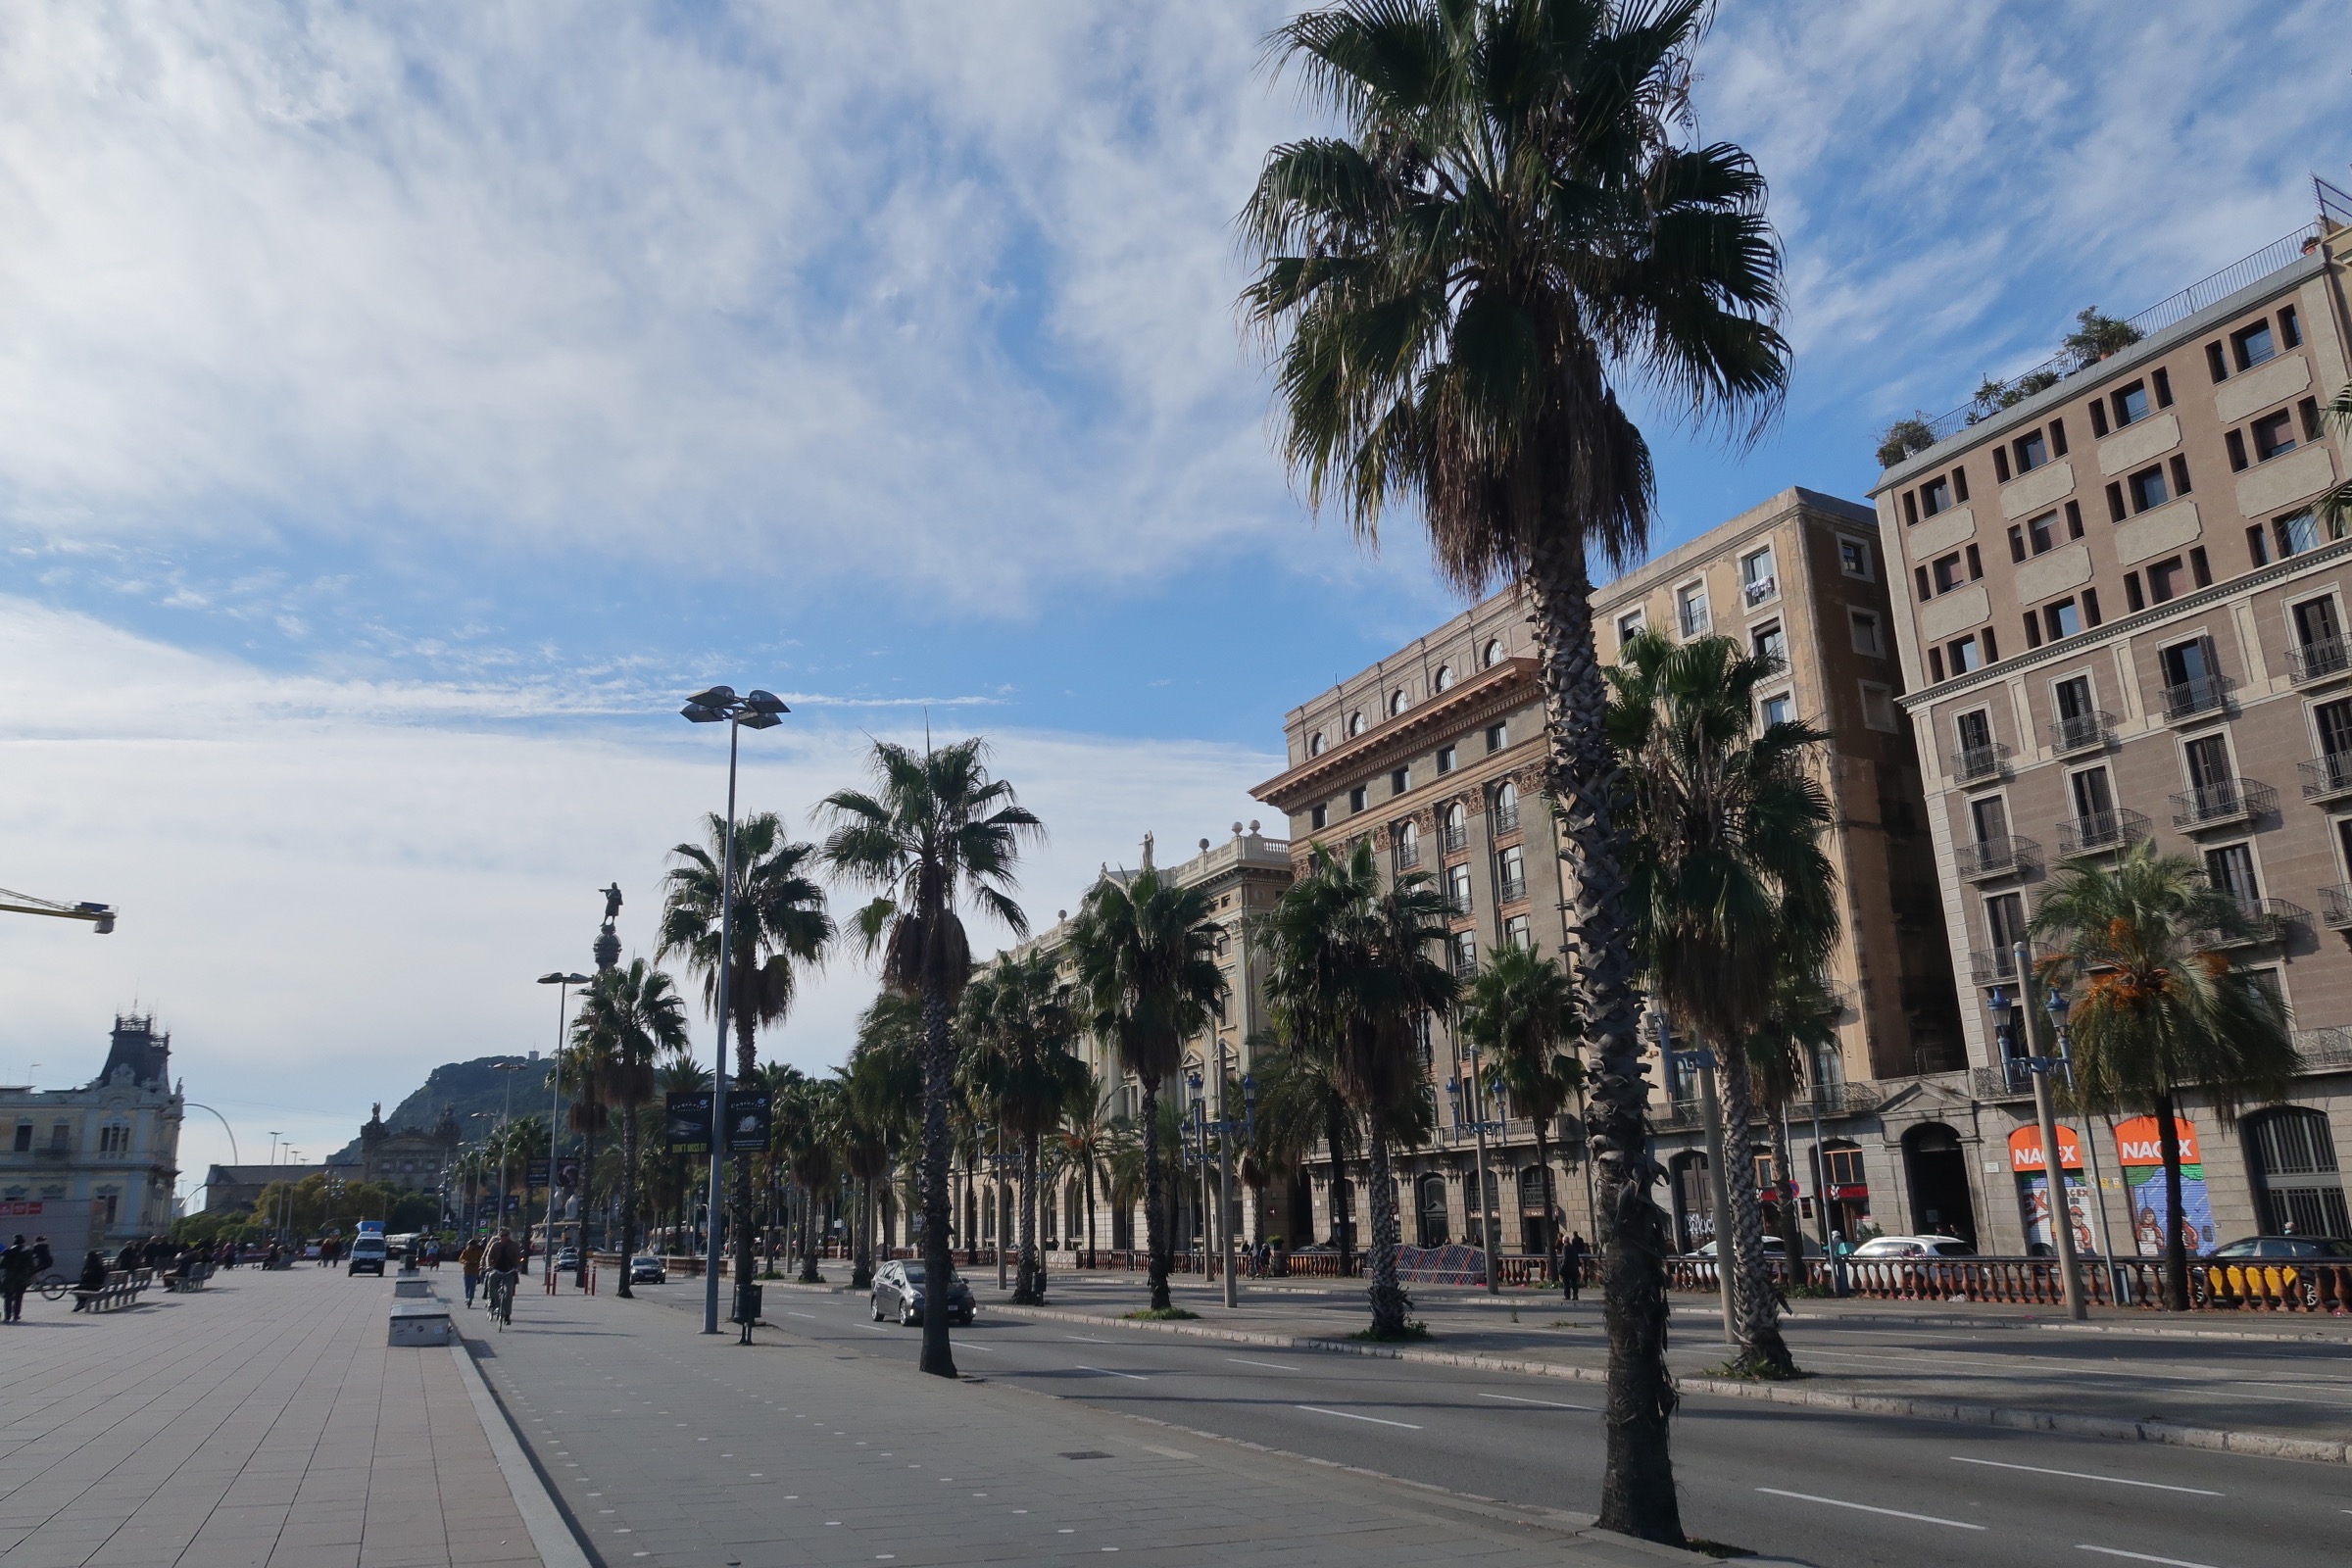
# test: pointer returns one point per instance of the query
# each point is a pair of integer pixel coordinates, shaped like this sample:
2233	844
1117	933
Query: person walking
469	1262
43	1260
15	1277
1573	1253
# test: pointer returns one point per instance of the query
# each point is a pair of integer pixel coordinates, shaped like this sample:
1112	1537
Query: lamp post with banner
2041	1064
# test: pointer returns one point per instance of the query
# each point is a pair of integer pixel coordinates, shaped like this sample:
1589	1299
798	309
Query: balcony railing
2323	1049
2267	920
1972	765
2336	907
2000	856
2317	659
1840	1098
2100	831
1763	588
1696	621
1994	967
2201	694
1505	819
2004	1080
1514	888
2224	800
2082	732
1408	853
1465	966
2323	776
1454	837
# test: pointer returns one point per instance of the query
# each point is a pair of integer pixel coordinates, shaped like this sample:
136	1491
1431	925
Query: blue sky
398	409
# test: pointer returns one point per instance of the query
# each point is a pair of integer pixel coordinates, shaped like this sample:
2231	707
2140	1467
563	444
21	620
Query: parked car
1772	1247
2326	1248
899	1290
569	1257
1915	1247
646	1269
368	1256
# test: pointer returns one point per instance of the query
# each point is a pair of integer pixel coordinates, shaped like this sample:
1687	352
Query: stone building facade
95	1166
408	1159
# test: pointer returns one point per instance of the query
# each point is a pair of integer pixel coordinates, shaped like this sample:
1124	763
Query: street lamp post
2054	1159
759	709
505	1117
563	982
1490	1223
2053	1001
1718	1189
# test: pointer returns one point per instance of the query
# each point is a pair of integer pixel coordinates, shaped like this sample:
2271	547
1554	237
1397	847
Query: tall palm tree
2161	1013
1019	1027
1521	1012
935	832
1084	1146
1298	1106
629	1021
814	1128
1729	889
1355	974
1516	220
1147	976
884	1105
1798	1028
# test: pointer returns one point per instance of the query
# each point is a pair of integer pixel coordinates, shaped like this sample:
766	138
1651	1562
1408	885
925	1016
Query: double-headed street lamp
758	711
1224	1126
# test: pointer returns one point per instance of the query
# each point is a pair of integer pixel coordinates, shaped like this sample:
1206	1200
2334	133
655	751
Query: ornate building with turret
95	1166
410	1159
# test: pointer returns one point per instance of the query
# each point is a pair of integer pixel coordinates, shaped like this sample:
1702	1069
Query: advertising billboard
686	1121
2140	1147
747	1121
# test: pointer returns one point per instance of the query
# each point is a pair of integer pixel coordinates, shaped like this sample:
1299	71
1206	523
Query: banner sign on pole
535	1173
567	1173
746	1120
686	1121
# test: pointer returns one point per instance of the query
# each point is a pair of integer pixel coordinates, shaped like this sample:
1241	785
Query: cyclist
504	1257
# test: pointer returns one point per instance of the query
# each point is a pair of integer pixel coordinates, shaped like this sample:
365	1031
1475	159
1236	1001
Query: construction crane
100	916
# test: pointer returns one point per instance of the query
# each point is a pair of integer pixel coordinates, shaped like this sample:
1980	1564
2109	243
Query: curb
2264	1445
551	1535
2130	1330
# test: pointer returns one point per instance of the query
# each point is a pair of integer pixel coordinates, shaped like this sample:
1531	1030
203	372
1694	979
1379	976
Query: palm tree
780	927
1019	1028
1515	219
1798	1030
1148	975
883	1105
1520	1012
1729	888
2335	505
810	1133
1354	974
2162	1012
1300	1105
679	1170
630	1020
1084	1147
936	831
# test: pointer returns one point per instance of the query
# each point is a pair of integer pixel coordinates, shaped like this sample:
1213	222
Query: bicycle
52	1286
502	1298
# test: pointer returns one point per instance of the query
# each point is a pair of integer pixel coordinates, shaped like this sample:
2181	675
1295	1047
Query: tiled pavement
671	1448
261	1421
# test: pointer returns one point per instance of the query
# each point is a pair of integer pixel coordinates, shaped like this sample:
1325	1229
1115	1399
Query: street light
510	1069
2042	1064
555	1118
2054	1002
758	711
1718	1188
1464	1089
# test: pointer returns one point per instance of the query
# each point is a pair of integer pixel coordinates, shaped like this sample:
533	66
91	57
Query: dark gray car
898	1292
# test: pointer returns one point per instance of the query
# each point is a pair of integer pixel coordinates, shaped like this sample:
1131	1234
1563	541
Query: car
1914	1246
2327	1249
368	1256
646	1270
1772	1247
898	1292
569	1257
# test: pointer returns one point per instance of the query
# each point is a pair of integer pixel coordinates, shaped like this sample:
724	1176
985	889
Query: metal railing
1843	1099
1514	888
1972	765
1465	966
2323	1049
2004	1080
2267	920
1993	966
1455	838
1696	621
2325	775
1999	855
1408	853
2336	907
2225	800
2199	694
2100	831
1762	589
1505	819
2318	659
2082	732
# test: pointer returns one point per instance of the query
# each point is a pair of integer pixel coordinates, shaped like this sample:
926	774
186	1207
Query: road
1825	1488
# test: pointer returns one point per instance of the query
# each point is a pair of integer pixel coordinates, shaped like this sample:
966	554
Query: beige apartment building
2123	620
1435	755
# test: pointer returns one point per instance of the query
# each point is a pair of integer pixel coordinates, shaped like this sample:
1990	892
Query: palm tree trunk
2176	1244
810	1235
1755	1297
1389	1301
1342	1227
629	1197
1090	1214
1792	1234
1637	1489
1156	1222
861	1271
939	1064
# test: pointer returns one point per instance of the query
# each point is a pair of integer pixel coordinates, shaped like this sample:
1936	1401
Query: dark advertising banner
686	1121
747	1121
535	1173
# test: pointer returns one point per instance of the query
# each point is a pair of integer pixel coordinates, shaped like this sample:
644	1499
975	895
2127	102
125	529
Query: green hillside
476	1086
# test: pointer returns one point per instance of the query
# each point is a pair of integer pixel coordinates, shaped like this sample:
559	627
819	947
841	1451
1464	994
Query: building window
1357	798
2005	928
1397	702
60	1136
1965	655
1853	558
2041	534
1457	887
1864	626
2253	345
2130	403
1516	932
2298	1185
1935	496
1314	744
1492	655
24	1143
1510	867
1758	581
1780	709
1497	737
1768	642
1629	626
1445	758
113	1139
2061	620
1465	953
1455	823
1407	835
1442	679
1355	725
2274	436
2164	580
2299	531
2147	488
1690	606
1505	809
1320	816
2230	870
2031	451
1948	572
1877	705
110	1205
1401	780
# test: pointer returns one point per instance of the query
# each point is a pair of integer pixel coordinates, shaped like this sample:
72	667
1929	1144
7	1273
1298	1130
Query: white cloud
326	889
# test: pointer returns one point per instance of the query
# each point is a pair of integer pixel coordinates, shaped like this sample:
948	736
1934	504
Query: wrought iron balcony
2325	776
2320	658
1999	855
1696	621
1514	889
1455	838
1994	967
2223	802
1408	853
1505	819
1840	1098
2196	696
2267	920
2336	907
2004	1080
1465	966
2083	732
1972	765
2323	1049
2101	831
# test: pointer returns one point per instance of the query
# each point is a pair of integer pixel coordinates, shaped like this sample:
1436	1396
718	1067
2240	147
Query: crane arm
101	916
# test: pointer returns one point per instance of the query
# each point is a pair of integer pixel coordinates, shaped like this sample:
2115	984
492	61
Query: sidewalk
673	1447
262	1420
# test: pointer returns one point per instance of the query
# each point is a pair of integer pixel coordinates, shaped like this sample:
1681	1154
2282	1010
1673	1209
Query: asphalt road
1835	1490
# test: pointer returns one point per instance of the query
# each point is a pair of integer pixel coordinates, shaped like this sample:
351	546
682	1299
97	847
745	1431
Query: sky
402	408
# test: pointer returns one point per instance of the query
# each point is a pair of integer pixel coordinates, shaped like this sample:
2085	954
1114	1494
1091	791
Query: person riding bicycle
504	1258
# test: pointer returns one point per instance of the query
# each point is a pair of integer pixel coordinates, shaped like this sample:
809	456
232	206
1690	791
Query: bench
192	1280
122	1289
420	1323
412	1288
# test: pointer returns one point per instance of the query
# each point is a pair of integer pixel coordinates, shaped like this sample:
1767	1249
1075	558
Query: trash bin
747	1302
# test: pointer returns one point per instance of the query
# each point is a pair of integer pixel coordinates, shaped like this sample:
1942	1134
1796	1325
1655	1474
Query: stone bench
419	1323
122	1289
410	1288
192	1280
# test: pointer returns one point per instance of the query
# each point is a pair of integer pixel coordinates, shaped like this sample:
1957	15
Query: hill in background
476	1086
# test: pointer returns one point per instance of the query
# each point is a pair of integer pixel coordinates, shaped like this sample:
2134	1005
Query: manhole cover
1086	1453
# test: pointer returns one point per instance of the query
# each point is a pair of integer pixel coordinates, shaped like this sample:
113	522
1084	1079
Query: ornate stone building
410	1159
95	1166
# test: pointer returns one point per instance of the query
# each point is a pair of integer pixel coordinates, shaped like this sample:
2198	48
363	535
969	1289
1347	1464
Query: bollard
592	1279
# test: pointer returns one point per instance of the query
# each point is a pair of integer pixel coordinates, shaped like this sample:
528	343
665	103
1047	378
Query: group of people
498	1260
20	1265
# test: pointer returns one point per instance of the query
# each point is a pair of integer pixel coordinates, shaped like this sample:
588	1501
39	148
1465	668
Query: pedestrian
1573	1253
42	1260
129	1259
93	1276
16	1276
469	1262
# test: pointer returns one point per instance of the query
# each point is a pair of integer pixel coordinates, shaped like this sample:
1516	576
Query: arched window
1431	1210
1408	845
1456	825
1355	725
1397	702
1441	679
1507	807
2298	1185
1493	656
113	1139
1314	744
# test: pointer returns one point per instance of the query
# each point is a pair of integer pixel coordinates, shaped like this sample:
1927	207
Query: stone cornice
1484	696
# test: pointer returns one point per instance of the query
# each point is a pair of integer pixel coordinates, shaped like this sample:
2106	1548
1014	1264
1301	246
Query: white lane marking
967	1345
2140	1556
875	1327
789	1312
1349	1415
1099	1371
1554	1403
1088	1337
1864	1508
1242	1361
2083	1475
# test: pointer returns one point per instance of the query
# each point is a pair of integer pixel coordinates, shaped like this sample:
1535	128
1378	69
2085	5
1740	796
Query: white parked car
1915	1247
